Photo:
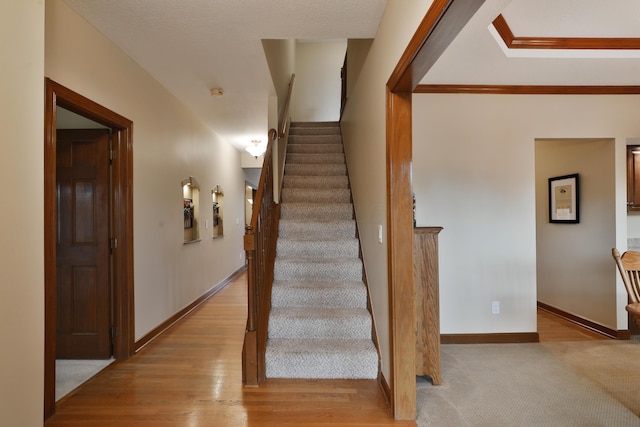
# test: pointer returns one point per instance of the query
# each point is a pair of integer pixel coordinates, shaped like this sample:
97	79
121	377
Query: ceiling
193	46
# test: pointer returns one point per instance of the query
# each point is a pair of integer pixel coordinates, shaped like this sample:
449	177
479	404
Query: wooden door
82	251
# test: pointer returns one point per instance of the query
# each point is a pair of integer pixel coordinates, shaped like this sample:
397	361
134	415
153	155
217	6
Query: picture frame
564	199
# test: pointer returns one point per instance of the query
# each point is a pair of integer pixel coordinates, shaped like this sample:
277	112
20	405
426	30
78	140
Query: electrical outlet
380	234
495	307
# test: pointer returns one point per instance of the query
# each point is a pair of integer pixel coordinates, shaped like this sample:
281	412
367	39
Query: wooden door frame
441	24
122	226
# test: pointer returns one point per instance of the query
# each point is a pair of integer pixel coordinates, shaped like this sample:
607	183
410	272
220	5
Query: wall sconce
257	149
217	190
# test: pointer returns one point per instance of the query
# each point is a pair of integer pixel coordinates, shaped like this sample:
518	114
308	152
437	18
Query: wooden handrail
284	117
283	140
260	246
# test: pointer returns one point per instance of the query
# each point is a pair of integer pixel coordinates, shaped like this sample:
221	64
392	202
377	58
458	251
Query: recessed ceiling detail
561	47
513	42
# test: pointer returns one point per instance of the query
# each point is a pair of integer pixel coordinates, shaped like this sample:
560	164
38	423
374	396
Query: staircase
319	324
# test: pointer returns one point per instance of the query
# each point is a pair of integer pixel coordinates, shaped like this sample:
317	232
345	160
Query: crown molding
527	90
595	43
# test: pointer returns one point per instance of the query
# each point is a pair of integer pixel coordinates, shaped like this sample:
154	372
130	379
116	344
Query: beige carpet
587	383
72	373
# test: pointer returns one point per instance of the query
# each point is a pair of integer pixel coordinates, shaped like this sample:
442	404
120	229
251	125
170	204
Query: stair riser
294	195
315	182
314	148
322	130
317	329
315	139
316	159
285	269
326	367
336	359
317	211
285	297
315	170
291	229
317	249
333	124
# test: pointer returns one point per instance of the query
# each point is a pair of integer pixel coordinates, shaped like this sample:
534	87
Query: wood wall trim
400	255
571	43
384	387
177	317
499	338
527	89
441	24
585	323
122	211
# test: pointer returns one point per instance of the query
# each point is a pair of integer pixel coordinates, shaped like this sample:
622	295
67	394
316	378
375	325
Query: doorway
119	241
575	273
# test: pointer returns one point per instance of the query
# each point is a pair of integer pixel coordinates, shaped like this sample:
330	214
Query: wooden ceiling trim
570	43
527	89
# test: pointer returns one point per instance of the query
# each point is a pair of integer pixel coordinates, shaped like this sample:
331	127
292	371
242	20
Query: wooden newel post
249	351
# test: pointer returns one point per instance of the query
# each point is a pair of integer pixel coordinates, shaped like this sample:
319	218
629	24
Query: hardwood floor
552	328
191	376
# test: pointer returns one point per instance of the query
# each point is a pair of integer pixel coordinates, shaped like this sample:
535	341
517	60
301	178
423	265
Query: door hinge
112	154
113	243
114	332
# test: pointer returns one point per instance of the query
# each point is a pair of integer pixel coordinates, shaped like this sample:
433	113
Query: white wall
357	51
169	145
281	57
21	227
474	174
574	260
317	88
364	133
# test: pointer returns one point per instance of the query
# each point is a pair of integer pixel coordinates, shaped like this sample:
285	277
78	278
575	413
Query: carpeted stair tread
316	211
315	124
315	170
322	359
319	323
315	139
314	269
289	228
291	293
314	148
315	182
315	158
314	130
310	195
313	248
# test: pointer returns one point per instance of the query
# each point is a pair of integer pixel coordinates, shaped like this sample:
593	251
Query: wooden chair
629	267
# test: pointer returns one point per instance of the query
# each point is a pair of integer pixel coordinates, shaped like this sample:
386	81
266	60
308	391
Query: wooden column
425	268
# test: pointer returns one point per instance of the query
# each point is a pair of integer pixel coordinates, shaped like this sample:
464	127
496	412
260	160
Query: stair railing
281	143
260	246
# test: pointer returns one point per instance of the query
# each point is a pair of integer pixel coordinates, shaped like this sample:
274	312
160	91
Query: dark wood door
82	253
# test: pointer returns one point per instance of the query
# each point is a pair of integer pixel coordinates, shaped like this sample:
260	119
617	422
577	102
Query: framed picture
564	199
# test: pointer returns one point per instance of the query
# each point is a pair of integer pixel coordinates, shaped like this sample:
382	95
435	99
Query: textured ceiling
191	46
